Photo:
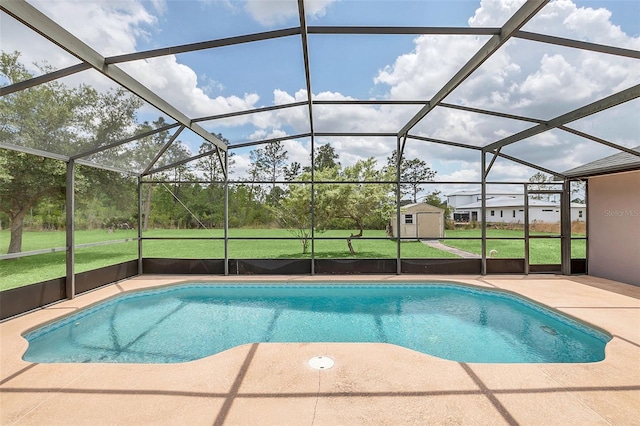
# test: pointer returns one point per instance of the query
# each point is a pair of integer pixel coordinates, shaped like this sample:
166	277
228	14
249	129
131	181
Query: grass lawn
33	269
541	251
289	249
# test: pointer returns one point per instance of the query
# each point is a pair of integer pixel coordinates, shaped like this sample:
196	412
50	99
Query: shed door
429	225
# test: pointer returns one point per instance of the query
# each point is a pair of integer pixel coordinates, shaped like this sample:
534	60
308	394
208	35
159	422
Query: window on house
547	210
408	218
493	212
514	213
500	213
580	214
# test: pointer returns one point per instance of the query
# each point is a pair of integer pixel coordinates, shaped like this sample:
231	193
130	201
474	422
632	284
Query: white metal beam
305	55
493	113
531	165
33	151
267	141
594	107
443	142
577	44
41	79
250	111
387	30
124	141
599	140
211	44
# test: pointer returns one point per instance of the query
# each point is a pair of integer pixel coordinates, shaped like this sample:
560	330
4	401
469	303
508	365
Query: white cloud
270	13
275	12
32	47
296	117
240	166
494	13
336	118
122	26
352	149
564	18
178	84
358	118
262	134
461	175
557	150
524	77
466	127
160	6
297	151
210	86
317	8
511	171
116	25
542	81
552	80
521	78
108	27
421	73
556	78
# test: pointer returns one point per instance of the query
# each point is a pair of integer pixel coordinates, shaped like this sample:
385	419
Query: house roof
514	202
417	207
479	192
620	162
507	202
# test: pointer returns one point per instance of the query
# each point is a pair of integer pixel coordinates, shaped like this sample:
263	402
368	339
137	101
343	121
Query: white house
506	207
460	198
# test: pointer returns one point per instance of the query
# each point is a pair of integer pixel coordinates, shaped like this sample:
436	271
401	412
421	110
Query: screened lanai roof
537	85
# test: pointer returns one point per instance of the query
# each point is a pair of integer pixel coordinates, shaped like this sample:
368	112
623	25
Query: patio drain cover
321	362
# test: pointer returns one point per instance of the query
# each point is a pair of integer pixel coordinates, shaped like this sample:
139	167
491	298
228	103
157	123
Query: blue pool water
187	322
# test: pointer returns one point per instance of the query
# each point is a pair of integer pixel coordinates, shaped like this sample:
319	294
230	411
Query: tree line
276	192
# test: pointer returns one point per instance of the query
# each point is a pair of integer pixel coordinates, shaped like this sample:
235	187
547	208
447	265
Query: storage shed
419	221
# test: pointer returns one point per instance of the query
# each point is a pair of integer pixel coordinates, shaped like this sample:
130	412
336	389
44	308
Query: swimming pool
190	321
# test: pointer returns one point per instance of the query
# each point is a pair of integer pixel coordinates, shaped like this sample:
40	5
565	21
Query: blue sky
523	78
625	13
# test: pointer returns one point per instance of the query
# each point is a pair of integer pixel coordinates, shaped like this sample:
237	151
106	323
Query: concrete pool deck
271	383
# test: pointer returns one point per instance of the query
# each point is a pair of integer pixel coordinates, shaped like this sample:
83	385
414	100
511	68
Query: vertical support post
226	213
397	230
312	207
70	286
526	229
565	228
586	203
140	223
483	212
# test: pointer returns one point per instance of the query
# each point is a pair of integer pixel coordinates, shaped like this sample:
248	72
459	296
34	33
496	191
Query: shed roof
420	207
